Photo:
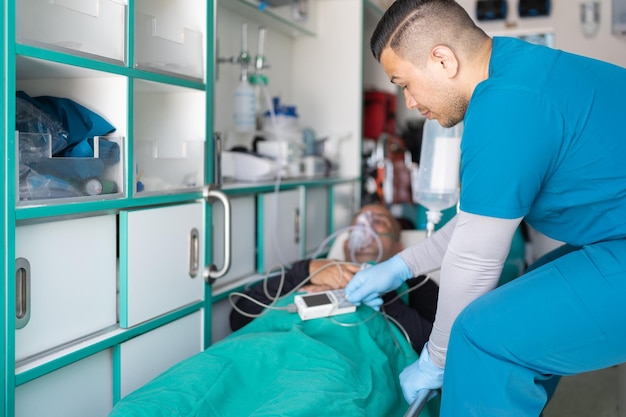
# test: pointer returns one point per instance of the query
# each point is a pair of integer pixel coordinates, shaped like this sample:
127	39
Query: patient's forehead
377	211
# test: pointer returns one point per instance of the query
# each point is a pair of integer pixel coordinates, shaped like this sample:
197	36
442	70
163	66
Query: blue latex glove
423	374
368	284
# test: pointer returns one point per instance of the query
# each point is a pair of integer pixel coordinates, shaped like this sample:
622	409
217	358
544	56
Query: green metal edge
7	161
209	157
123	269
259	233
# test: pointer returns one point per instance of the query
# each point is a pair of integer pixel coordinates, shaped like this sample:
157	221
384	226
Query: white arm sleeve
471	266
427	255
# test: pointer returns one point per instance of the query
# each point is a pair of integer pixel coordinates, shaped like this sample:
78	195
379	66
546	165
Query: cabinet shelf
36	62
95	207
247	188
278	18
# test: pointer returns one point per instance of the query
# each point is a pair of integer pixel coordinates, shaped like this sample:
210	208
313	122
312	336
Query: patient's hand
327	274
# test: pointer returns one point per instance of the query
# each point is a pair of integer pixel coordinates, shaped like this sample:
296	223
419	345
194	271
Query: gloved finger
354	292
374	303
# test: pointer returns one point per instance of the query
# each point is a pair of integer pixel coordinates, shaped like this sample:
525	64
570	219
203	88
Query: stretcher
278	364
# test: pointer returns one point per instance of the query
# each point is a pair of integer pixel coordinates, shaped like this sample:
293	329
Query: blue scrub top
544	139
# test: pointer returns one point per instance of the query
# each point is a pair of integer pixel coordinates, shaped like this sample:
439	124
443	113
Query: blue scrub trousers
508	346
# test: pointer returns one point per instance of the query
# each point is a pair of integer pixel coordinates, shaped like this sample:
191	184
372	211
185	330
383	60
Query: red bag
379	114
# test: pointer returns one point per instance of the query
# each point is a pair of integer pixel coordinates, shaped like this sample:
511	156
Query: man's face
427	89
381	223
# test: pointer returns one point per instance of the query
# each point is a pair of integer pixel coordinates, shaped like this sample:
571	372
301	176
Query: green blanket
279	365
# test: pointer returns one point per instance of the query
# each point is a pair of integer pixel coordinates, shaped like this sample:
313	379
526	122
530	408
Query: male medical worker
543	142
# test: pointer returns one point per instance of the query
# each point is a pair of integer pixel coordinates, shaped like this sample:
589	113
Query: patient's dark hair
412	27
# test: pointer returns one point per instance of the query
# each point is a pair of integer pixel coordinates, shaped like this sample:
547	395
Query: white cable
276	296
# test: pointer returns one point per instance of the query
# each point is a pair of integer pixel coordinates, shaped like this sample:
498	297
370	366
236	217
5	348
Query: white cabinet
280	229
93	274
315	218
144	357
220	319
82	389
65	280
161	260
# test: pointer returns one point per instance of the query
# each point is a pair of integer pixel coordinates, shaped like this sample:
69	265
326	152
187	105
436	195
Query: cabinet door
161	261
82	389
144	357
70	287
243	232
280	226
316	218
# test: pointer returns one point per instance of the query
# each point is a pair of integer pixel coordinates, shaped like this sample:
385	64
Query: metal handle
296	226
22	292
419	402
194	252
212	273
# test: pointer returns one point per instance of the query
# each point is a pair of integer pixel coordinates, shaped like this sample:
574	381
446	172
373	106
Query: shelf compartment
179	53
168	165
42	177
74	26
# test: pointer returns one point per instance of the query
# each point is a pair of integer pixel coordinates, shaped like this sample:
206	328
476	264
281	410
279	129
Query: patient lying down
278	364
415	317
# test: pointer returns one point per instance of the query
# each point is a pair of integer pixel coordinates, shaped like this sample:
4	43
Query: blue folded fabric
80	122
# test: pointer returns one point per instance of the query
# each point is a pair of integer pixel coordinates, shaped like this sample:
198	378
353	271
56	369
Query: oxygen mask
363	235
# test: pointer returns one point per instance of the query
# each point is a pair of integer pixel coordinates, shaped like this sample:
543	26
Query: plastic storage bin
168	165
42	176
179	55
91	28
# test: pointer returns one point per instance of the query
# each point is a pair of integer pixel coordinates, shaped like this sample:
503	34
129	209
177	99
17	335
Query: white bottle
437	184
245	107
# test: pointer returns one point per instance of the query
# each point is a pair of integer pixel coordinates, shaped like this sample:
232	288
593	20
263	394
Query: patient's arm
329	274
293	277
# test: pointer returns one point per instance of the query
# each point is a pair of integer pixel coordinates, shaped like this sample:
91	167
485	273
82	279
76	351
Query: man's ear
445	59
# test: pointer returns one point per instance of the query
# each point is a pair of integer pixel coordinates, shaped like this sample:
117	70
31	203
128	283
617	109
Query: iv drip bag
437	183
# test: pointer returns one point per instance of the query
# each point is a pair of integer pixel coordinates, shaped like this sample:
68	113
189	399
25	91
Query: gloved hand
368	284
422	374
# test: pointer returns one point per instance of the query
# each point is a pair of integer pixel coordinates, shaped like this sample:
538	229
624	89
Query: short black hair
434	21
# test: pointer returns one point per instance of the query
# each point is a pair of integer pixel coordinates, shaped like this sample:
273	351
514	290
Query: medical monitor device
322	304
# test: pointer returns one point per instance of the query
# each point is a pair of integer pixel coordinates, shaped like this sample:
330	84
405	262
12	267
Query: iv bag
437	184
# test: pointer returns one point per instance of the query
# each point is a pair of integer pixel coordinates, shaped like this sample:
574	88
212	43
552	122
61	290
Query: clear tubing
274	231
